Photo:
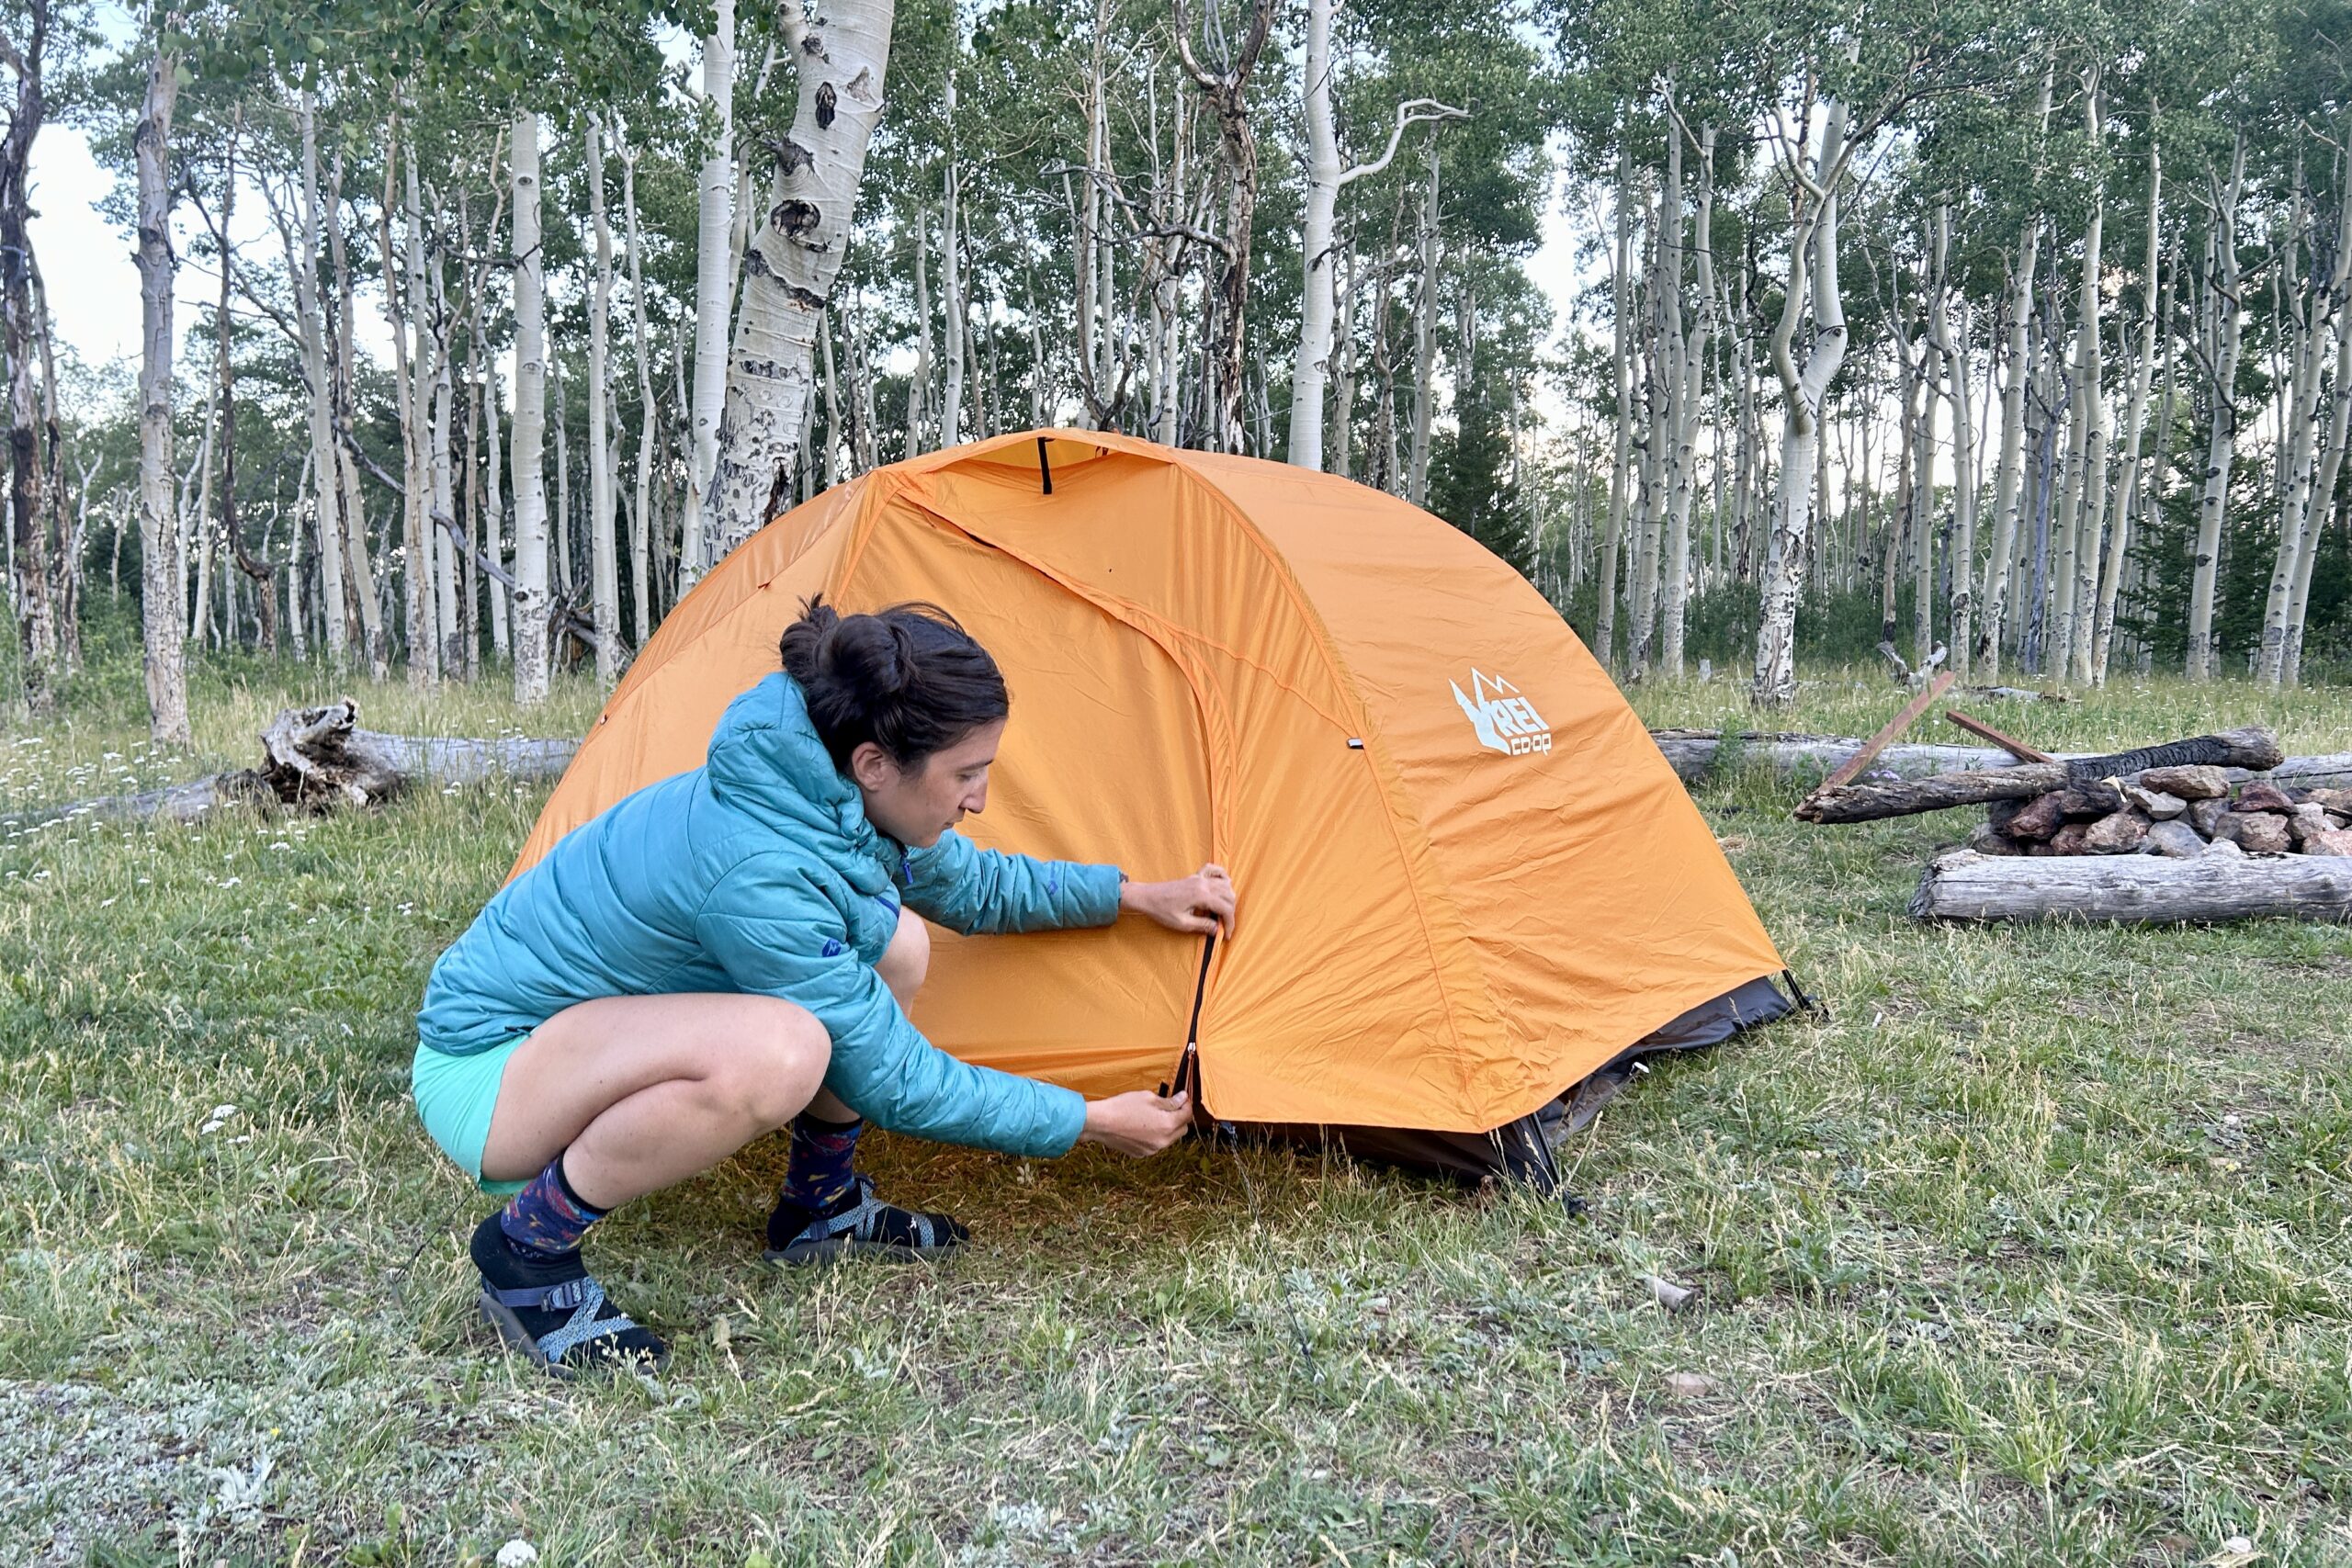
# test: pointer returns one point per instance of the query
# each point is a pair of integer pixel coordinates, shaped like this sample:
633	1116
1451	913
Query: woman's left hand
1200	903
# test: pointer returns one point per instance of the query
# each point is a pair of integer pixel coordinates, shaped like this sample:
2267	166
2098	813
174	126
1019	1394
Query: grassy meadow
2035	1251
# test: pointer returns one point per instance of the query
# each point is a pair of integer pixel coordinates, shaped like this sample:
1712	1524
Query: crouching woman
731	952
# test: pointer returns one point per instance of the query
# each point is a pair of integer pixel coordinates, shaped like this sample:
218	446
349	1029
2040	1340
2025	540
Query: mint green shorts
455	1096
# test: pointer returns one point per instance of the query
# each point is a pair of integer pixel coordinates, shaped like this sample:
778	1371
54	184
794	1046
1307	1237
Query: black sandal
556	1313
860	1224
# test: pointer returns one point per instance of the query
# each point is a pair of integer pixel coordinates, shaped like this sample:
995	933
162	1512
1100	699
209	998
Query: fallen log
314	758
2140	889
1694	754
2253	748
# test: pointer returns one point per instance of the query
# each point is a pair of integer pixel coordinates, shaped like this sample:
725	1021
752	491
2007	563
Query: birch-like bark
1813	230
442	499
715	271
493	499
1416	473
1691	356
1227	91
402	305
2339	425
1325	178
164	638
1622	302
2305	504
1963	450
640	514
2080	548
2227	320
919	383
604	564
790	264
23	324
2008	491
951	278
530	607
2135	414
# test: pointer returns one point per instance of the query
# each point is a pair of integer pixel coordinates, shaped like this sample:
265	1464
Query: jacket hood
766	759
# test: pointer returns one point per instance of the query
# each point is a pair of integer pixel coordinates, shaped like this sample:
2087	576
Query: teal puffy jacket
758	872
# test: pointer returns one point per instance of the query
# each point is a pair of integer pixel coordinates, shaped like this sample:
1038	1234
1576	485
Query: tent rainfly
1468	879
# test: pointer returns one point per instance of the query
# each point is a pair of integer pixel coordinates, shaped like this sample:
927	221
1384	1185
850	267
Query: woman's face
916	804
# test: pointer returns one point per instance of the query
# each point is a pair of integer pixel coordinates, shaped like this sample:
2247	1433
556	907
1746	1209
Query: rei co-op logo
1505	720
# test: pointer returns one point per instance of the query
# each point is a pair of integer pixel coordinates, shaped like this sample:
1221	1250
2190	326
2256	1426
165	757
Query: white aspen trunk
1324	176
1963	453
2220	445
310	314
2135	414
165	634
791	262
561	562
402	311
1417	475
530	629
1923	477
2080	594
2007	490
1656	436
361	573
1690	354
1622	302
493	508
1815	230
1338	456
951	278
715	271
2316	450
2340	423
603	563
640	532
919	384
439	542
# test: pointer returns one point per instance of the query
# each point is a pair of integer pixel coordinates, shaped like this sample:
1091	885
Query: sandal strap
861	1219
584	1324
544	1298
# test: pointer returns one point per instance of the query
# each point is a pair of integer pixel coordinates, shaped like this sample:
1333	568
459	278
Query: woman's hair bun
909	679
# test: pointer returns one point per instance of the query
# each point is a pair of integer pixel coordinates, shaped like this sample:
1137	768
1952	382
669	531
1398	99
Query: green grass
2035	1252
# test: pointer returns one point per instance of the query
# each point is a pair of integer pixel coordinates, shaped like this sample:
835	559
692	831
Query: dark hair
909	678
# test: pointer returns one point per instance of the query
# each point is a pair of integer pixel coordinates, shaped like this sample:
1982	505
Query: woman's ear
871	768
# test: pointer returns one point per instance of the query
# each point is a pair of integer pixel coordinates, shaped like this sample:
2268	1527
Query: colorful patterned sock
548	1218
818	1173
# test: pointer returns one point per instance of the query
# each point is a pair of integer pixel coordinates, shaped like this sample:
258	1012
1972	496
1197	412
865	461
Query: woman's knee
908	958
776	1067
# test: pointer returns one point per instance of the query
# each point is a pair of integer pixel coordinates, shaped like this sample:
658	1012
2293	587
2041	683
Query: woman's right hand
1139	1123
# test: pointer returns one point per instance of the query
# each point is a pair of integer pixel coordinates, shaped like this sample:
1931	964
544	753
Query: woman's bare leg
639	1093
904	964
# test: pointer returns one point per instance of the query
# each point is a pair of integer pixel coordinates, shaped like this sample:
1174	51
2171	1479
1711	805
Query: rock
2094	798
2334	841
2039	817
2205	815
2261	794
2256	832
2118	834
1999	813
2174	840
2336	802
1987	840
2224	847
2307	820
2071	840
2200	783
1689	1385
2159	804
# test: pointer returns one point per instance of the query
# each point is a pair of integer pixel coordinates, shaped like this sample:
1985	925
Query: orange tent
1467	878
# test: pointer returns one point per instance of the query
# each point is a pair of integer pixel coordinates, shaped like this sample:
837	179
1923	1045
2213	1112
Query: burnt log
1866	802
2139	889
